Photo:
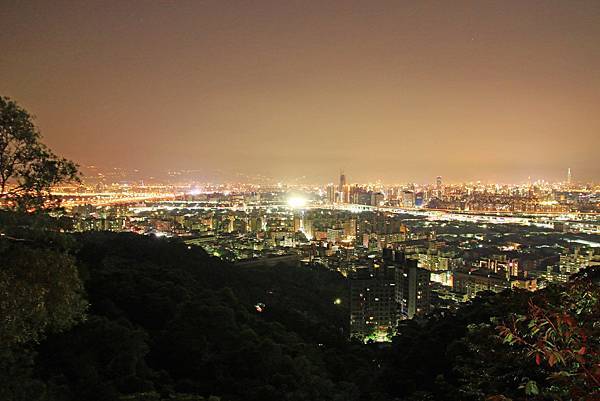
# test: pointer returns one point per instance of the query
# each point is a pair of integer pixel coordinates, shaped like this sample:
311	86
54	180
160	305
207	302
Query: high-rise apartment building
331	194
373	307
390	289
413	292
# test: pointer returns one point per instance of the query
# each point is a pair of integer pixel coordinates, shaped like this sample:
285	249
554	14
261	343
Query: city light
297	202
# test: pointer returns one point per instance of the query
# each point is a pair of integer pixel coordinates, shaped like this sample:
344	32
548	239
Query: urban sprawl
408	251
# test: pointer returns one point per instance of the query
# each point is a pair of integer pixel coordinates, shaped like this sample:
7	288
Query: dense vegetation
169	319
165	321
514	345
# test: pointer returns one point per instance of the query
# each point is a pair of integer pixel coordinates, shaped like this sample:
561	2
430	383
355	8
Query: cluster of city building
402	261
537	197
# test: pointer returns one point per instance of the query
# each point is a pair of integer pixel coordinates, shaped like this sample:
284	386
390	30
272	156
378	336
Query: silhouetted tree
28	168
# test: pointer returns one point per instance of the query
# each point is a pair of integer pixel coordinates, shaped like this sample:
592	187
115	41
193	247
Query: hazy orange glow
400	91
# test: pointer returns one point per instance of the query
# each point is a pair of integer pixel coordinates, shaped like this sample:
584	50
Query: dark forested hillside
167	318
166	321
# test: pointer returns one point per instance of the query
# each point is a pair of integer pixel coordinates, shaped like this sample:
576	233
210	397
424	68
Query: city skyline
118	174
389	91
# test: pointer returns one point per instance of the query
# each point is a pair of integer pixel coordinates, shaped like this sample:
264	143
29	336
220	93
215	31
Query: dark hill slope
168	318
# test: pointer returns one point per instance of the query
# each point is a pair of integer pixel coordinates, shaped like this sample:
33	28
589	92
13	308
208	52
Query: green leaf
531	388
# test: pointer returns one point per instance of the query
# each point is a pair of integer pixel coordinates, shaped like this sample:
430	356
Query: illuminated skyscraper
346	194
331	193
438	186
569	176
342	182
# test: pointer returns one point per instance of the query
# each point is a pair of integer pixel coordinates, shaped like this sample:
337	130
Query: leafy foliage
40	291
40	294
28	169
562	330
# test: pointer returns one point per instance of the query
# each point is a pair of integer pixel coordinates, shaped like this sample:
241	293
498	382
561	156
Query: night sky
399	91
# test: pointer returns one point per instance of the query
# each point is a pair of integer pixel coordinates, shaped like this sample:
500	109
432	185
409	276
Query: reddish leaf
551	360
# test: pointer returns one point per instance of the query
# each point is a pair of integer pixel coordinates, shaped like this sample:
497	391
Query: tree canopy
28	168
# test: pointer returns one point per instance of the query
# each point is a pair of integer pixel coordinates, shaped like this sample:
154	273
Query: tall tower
438	186
342	181
569	176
